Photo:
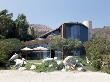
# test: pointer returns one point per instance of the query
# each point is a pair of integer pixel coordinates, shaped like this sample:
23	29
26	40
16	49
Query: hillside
103	32
38	29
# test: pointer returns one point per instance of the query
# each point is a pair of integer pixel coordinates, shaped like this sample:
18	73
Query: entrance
52	53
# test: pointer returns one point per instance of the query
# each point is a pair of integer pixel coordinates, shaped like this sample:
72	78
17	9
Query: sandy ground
29	76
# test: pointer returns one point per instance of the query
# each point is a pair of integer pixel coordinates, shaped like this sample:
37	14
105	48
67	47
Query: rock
79	65
20	63
63	70
33	67
69	62
15	56
22	68
59	62
50	65
81	69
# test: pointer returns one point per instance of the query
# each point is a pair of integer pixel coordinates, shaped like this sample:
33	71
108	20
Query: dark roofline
71	23
44	35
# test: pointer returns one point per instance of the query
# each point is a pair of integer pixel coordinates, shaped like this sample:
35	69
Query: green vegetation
17	28
98	52
12	32
22	27
46	66
57	42
7	46
71	45
35	61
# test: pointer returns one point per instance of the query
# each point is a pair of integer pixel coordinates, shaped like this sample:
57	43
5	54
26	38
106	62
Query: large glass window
68	32
75	32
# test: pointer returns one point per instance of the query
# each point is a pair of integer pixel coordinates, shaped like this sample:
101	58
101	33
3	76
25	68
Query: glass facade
77	31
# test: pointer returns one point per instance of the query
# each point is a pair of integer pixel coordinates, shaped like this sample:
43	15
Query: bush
2	37
60	66
28	65
106	64
48	66
7	46
106	69
98	52
96	65
41	68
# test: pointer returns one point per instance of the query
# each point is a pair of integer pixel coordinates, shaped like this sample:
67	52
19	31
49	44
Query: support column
62	35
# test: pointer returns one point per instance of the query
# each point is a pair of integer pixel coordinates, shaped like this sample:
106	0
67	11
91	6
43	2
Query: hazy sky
54	12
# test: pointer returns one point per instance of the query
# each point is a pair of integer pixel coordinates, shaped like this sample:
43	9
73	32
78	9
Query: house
70	30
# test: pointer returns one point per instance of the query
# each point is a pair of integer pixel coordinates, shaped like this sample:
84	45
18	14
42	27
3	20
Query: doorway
52	53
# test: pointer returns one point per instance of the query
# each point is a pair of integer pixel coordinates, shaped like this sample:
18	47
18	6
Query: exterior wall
75	31
89	25
83	33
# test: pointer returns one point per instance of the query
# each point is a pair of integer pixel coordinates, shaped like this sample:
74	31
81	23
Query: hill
103	32
38	29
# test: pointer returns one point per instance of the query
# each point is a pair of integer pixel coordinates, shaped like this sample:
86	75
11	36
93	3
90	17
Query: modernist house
69	30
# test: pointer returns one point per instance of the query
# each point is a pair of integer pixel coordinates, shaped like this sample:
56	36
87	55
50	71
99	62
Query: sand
30	76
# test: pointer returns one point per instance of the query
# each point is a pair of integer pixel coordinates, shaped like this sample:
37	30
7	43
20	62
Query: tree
7	46
55	42
35	33
22	27
98	50
97	47
6	23
68	45
71	44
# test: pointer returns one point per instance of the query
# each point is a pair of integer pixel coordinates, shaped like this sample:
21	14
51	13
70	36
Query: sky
55	12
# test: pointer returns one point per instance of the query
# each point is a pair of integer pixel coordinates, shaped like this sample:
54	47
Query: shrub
98	51
47	66
7	46
106	65
41	68
60	66
106	69
51	65
96	65
2	37
28	66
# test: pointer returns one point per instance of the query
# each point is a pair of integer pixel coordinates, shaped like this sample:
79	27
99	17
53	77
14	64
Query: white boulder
22	68
79	68
50	65
19	62
33	67
63	70
15	56
59	62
